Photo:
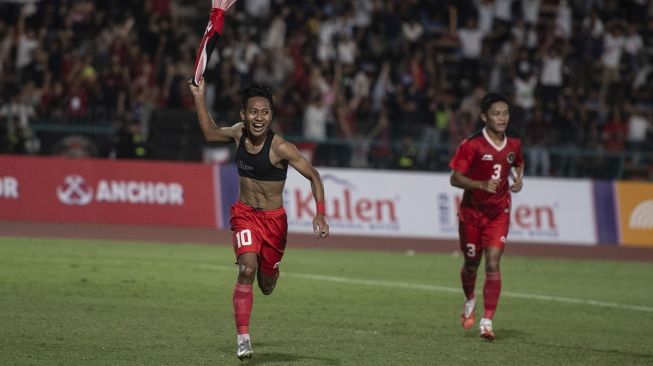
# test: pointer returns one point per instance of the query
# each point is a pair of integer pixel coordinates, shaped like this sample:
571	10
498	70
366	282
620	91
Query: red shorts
475	236
263	232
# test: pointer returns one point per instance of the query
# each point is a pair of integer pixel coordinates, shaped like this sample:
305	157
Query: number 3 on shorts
471	250
244	238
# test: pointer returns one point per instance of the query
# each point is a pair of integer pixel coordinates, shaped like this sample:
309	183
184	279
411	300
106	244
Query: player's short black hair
256	90
491	98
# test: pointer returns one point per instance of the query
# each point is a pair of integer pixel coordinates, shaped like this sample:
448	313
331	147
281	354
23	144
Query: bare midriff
261	194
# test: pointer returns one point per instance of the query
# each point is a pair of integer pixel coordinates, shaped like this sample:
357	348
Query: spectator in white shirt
470	38
633	46
27	43
347	49
613	43
315	118
485	15
563	26
326	50
503	11
639	126
524	101
530	11
551	77
259	9
274	38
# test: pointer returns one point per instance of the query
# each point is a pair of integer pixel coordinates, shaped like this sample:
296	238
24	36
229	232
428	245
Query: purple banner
605	211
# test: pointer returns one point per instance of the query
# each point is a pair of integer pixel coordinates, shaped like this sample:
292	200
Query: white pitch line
415	286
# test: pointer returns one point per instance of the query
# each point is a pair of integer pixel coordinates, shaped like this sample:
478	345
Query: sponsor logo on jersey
487	157
245	167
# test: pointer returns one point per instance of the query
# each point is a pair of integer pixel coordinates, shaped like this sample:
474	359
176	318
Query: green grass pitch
73	302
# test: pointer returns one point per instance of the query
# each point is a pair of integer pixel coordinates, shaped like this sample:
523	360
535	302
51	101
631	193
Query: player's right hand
492	185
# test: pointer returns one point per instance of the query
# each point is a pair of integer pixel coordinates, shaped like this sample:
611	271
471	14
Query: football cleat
244	350
467	318
486	329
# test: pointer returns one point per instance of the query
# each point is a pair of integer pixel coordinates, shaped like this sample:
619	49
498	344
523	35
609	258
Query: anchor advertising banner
103	191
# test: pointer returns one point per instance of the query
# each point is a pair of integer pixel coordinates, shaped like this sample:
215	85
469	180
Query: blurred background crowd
391	84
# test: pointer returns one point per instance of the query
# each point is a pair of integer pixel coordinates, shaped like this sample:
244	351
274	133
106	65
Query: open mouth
257	127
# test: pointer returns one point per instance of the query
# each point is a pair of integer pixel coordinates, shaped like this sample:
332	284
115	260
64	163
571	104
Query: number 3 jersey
478	158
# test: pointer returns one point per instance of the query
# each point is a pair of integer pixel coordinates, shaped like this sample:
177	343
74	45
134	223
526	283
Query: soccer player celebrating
258	219
482	166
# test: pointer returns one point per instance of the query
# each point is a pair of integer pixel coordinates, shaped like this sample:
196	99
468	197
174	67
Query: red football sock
469	282
491	292
243	299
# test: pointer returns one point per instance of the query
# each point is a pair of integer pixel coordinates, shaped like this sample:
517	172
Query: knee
471	267
246	272
492	266
267	283
267	289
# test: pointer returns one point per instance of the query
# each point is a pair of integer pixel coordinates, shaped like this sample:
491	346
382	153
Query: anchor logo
74	191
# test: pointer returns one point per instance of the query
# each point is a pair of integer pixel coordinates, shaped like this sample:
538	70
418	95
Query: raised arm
287	151
211	131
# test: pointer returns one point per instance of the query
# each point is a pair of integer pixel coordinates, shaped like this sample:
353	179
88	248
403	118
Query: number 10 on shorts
244	238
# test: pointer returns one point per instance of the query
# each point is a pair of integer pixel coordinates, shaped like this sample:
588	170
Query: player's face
496	118
257	116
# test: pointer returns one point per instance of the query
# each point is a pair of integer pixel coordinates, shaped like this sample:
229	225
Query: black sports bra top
258	166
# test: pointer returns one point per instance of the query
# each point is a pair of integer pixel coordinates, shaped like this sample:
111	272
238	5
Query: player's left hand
517	184
320	226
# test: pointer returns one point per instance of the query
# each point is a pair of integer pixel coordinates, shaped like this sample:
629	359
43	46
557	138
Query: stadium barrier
413	204
359	202
106	191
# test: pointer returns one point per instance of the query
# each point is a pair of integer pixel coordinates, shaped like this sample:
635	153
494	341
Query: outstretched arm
210	130
289	152
210	38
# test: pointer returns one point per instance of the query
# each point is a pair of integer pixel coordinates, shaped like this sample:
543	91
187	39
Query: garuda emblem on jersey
511	157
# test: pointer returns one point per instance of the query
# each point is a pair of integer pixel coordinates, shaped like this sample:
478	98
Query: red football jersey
479	158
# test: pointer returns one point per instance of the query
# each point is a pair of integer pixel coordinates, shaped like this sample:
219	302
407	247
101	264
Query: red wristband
319	206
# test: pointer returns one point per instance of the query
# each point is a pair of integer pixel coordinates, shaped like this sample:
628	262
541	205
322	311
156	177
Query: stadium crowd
367	83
